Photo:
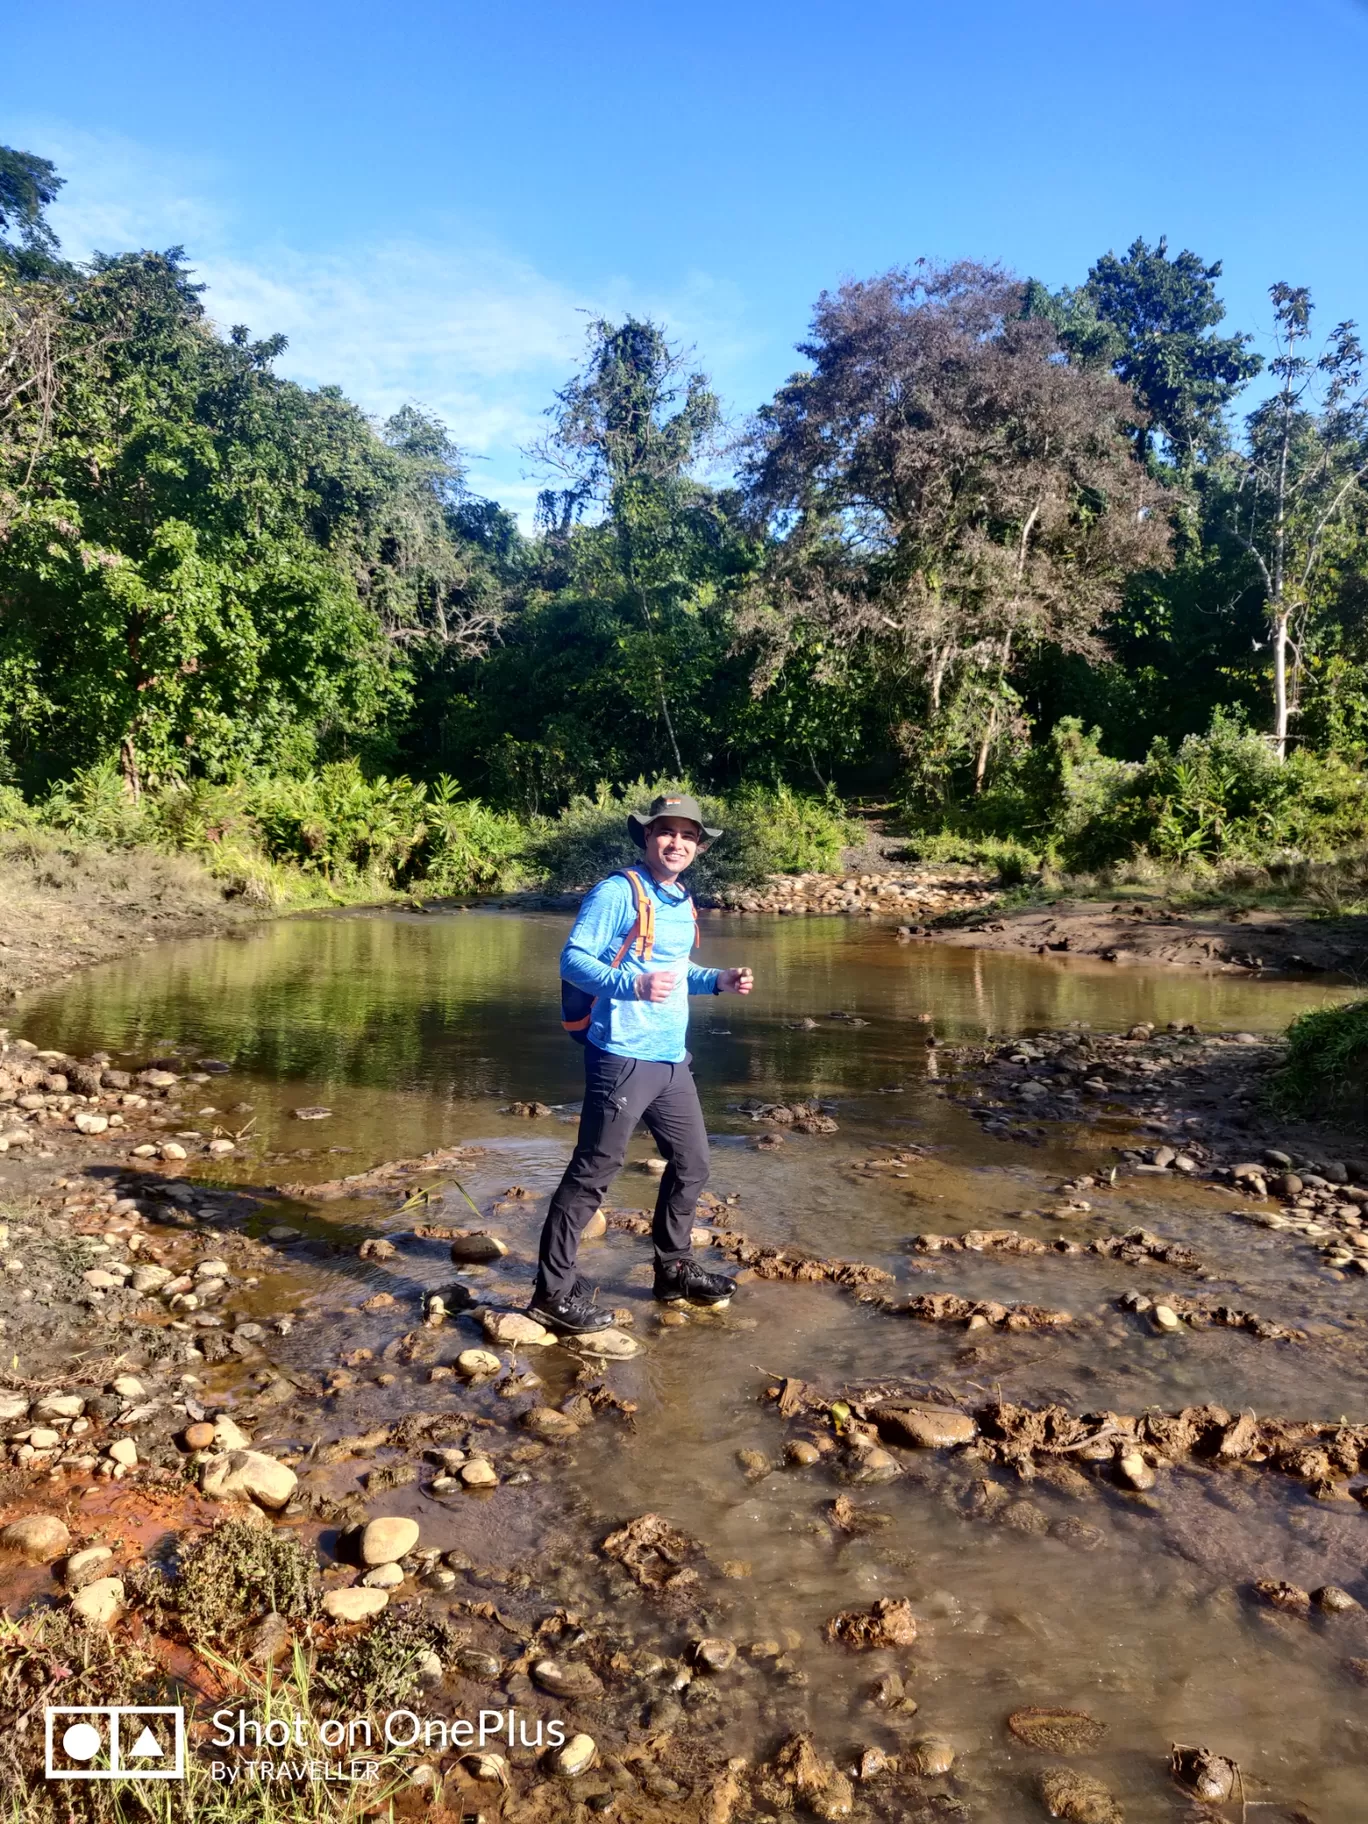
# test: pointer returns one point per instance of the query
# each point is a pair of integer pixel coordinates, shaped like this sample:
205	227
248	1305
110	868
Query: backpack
577	1004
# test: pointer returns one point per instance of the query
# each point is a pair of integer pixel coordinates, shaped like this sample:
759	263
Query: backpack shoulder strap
641	937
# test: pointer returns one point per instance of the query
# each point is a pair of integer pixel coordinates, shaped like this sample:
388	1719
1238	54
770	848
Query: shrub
767	830
237	1574
1326	1064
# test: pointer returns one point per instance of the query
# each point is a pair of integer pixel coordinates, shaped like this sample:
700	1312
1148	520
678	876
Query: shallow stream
416	1031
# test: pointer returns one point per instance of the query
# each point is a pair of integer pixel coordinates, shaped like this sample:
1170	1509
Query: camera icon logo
115	1742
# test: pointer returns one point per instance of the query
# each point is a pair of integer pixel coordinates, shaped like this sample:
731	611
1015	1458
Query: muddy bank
1123	932
63	906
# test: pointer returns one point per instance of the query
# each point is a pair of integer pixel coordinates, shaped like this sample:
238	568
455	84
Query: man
633	959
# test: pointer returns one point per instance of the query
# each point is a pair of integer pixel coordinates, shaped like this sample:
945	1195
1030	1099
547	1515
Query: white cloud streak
463	327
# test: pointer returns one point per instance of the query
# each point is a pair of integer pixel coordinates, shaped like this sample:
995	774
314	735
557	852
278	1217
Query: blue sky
427	198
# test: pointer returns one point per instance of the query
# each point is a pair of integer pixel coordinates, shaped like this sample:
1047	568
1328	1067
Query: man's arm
703	981
605	917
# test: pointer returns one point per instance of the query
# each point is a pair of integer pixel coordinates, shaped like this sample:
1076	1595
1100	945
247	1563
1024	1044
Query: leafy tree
28	186
627	430
1305	472
945	492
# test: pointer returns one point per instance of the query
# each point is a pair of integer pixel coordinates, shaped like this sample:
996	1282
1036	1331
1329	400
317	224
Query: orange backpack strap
641	937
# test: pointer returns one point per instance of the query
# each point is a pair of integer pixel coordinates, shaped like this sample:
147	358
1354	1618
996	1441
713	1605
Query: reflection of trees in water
466	1004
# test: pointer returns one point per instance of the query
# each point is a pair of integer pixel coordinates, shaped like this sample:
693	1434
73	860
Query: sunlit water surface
417	1031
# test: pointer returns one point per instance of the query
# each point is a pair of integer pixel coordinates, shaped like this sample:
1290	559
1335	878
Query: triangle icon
146	1748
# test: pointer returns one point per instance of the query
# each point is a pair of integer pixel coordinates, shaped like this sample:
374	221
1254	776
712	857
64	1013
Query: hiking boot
569	1313
684	1282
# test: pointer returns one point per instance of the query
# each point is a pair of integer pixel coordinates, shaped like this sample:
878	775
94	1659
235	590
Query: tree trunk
1280	620
128	766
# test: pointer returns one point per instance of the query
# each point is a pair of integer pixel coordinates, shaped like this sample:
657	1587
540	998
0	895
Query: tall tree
1307	463
626	432
1152	318
945	490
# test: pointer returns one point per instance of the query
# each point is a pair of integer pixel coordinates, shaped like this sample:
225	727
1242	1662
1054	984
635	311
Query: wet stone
1078	1797
567	1678
1056	1731
930	1756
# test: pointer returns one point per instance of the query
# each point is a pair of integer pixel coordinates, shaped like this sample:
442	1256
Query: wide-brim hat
670	804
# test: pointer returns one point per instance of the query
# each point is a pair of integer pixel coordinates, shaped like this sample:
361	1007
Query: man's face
671	843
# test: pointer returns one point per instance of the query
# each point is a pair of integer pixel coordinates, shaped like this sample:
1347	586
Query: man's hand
735	981
655	985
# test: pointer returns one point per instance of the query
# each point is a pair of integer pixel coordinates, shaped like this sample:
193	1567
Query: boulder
41	1537
474	1363
251	1474
387	1540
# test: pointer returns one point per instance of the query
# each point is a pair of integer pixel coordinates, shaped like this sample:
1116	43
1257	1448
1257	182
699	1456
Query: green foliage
380	1669
1326	1063
766	831
238	1573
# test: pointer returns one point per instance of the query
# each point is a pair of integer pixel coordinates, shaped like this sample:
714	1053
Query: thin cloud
468	329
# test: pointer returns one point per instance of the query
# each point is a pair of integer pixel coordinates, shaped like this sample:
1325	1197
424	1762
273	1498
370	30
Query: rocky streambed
1030	1447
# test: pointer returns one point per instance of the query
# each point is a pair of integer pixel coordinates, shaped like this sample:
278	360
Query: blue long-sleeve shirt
654	1030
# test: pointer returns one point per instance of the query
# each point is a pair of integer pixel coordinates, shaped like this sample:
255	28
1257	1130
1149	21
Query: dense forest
1023	564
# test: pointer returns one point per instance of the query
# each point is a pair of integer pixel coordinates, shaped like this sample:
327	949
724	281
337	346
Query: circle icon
82	1742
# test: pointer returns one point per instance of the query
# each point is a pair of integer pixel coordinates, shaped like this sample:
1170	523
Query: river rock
1166	1318
1132	1471
567	1678
249	1473
577	1756
383	1577
802	1453
1281	1595
1210	1777
13	1406
128	1387
476	1247
199	1436
150	1279
930	1756
610	1345
83	1567
42	1437
596	1227
1055	1731
124	1451
41	1537
886	1623
514	1328
172	1149
713	1653
479	1473
387	1540
354	1604
1078	1797
923	1426
1331	1600
87	1123
59	1406
99	1602
229	1435
546	1422
474	1364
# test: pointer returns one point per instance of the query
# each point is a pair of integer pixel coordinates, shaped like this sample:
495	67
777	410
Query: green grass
1325	1068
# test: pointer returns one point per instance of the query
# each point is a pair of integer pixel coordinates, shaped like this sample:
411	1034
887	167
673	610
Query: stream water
416	1032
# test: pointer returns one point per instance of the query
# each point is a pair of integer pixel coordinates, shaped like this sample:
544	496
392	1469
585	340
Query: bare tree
946	487
1307	458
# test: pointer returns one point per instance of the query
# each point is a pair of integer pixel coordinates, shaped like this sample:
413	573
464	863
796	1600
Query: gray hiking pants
619	1092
